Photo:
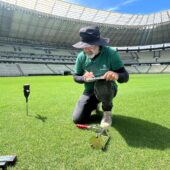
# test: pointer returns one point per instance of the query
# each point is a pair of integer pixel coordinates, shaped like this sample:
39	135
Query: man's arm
123	75
83	78
78	78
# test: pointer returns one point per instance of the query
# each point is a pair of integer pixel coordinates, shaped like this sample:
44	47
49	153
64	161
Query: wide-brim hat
90	36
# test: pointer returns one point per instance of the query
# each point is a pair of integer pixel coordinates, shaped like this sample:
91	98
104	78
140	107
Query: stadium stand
129	57
60	69
167	69
143	68
9	70
35	69
36	38
131	69
165	56
156	68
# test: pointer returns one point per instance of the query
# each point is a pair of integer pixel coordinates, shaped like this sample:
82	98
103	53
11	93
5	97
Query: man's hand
88	75
110	75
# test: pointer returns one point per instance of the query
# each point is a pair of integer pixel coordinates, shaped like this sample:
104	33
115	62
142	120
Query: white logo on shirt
104	67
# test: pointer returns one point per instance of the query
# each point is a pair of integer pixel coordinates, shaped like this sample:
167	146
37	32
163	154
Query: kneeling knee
76	119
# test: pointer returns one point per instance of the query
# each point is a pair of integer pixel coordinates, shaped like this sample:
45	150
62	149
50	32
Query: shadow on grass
141	133
96	118
42	118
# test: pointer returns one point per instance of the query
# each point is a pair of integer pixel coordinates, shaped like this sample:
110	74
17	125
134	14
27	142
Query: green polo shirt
107	60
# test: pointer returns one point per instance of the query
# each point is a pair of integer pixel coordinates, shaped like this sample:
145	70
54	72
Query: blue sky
126	6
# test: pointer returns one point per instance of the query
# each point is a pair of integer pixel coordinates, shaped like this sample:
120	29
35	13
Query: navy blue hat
90	36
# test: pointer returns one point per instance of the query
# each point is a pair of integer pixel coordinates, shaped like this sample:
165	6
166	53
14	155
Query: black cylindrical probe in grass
26	94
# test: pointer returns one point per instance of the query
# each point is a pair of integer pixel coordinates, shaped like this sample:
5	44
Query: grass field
48	140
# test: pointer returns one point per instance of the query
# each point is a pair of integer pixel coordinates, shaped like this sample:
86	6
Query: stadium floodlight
26	94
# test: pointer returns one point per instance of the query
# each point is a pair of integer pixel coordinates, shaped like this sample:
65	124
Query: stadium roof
69	10
56	21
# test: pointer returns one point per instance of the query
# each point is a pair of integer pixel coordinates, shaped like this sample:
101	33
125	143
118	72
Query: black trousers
104	92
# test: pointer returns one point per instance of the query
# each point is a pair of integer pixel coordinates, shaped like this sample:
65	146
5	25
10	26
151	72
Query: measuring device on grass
89	80
26	89
101	139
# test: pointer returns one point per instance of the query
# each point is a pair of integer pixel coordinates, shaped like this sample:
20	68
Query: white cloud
118	6
128	2
115	8
73	1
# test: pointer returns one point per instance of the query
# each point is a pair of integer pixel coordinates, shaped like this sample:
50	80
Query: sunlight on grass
47	138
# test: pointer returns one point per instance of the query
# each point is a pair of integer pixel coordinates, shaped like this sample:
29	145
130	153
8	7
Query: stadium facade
36	37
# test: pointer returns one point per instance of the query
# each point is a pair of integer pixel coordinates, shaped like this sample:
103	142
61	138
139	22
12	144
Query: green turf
48	140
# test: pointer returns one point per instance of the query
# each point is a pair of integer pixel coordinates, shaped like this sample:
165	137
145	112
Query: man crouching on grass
97	60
